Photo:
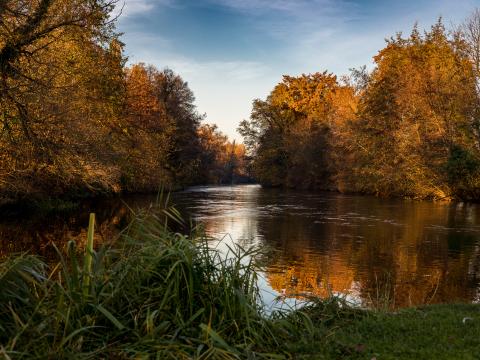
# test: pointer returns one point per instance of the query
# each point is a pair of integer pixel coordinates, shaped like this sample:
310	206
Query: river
371	251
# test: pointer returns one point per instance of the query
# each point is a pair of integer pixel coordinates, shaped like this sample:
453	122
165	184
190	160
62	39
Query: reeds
87	269
154	294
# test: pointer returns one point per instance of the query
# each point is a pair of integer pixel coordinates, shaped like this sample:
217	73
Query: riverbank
45	205
159	294
449	331
154	294
70	203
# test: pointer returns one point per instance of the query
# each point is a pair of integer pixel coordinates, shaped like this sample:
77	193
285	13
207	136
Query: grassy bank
157	294
430	332
154	294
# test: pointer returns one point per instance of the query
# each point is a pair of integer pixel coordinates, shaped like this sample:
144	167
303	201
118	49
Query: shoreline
159	294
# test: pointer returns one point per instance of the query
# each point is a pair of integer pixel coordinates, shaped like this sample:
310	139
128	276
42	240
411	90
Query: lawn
430	332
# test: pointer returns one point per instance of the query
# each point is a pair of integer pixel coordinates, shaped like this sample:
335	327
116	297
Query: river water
370	250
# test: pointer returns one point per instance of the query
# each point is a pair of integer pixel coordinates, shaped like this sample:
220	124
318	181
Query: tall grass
154	294
87	268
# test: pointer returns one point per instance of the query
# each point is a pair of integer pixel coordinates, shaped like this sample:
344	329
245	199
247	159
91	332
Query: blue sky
232	51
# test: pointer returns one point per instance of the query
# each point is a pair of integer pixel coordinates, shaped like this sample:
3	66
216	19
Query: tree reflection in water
378	251
374	250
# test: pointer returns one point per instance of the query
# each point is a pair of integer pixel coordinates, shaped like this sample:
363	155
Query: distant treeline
410	127
74	120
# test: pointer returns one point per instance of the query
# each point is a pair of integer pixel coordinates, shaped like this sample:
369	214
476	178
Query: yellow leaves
391	134
416	106
305	94
142	99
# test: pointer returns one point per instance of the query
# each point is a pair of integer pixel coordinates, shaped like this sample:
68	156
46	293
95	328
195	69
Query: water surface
369	249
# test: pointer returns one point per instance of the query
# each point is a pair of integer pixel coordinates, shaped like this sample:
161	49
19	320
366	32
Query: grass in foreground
159	295
156	294
430	332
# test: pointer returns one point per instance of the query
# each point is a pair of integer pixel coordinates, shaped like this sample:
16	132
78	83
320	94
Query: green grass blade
110	317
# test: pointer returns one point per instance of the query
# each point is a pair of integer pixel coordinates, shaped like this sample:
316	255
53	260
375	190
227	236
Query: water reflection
36	234
370	249
406	252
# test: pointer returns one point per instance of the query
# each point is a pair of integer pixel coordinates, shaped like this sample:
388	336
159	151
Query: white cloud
227	70
223	89
144	41
290	6
135	7
294	20
307	36
156	50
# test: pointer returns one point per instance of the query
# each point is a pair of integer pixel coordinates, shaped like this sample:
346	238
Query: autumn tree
417	119
222	161
147	131
410	127
162	126
213	144
178	101
291	134
74	121
45	46
469	32
57	66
